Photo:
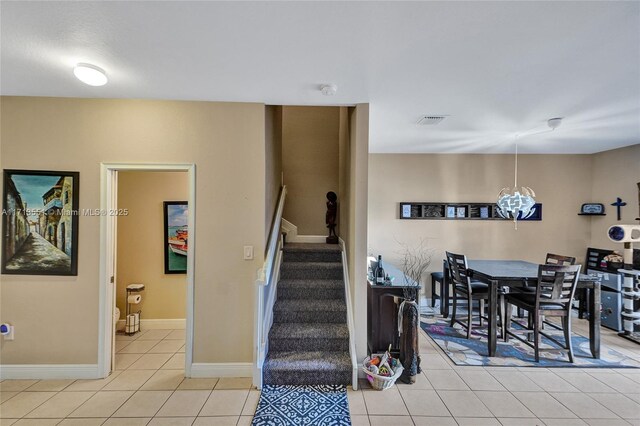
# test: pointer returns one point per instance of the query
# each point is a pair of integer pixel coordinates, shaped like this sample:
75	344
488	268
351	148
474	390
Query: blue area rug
474	351
320	405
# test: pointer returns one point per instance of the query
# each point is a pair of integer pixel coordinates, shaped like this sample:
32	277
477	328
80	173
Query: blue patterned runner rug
318	405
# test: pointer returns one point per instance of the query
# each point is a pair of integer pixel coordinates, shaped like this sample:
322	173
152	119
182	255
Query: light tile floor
148	388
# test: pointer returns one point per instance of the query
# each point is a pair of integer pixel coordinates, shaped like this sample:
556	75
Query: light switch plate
248	252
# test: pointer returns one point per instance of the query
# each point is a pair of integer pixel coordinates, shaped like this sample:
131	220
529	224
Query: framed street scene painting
176	237
40	222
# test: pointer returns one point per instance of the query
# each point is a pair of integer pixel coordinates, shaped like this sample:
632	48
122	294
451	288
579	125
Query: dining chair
553	297
558	259
464	287
550	259
443	279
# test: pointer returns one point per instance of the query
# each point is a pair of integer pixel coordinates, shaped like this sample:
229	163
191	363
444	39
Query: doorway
110	211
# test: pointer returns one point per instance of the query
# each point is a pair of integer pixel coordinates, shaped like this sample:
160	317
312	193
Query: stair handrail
267	278
350	321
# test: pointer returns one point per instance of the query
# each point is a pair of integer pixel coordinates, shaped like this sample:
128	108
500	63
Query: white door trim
105	308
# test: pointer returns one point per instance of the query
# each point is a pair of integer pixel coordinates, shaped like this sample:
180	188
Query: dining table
520	273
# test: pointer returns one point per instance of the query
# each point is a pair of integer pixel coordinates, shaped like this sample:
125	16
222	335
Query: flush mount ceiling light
328	89
554	123
90	74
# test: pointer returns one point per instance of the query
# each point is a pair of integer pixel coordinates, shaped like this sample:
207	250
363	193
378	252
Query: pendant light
519	202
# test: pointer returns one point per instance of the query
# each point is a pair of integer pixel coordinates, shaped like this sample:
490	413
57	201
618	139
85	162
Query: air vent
431	120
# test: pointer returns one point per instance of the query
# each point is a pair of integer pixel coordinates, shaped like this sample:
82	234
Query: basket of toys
382	370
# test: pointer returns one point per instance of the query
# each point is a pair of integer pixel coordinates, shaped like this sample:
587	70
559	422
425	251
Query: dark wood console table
382	312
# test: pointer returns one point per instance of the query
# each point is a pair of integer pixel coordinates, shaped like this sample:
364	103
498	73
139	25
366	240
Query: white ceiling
497	68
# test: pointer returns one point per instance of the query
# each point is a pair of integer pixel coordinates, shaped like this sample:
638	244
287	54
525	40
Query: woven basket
380	382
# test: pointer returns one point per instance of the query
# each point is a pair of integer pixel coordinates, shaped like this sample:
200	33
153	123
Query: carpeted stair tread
308	337
310	289
308	284
299	252
312	265
327	305
311	270
311	367
309	331
320	247
310	311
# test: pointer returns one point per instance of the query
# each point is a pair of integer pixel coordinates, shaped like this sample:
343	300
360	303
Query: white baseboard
49	371
157	324
222	369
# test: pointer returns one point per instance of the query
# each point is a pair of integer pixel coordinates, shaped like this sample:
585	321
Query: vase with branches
415	259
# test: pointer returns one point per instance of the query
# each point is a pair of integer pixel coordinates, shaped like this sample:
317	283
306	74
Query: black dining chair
558	259
553	297
551	259
464	287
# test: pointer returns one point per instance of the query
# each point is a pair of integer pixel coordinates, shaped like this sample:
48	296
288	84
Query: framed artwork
451	211
40	222
176	237
406	210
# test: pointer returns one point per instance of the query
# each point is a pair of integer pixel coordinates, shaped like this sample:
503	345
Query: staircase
309	338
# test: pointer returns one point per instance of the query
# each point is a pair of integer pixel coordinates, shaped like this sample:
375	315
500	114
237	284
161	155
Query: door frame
108	175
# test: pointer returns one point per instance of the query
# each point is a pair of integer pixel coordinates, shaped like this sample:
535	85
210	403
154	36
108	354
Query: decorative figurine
619	204
330	218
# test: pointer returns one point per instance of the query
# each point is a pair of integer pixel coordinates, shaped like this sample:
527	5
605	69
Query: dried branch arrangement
415	261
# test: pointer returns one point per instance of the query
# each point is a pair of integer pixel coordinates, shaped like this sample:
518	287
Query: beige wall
357	222
56	318
310	164
616	173
561	183
344	174
273	162
141	243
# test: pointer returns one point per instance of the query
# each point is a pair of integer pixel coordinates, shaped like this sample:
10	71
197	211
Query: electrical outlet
248	252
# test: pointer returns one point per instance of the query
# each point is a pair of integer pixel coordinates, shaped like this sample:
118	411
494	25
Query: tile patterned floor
148	388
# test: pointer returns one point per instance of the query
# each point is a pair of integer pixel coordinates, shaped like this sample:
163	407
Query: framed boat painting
40	222
176	237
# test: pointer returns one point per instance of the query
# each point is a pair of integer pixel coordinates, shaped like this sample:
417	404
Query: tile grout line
139	389
576	414
439	397
205	402
35	408
245	403
494	414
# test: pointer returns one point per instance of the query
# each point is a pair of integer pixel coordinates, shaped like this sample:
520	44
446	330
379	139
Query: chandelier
518	202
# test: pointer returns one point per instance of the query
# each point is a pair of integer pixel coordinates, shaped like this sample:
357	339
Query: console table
382	311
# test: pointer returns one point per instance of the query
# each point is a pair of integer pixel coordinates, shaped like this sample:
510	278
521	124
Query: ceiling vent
431	120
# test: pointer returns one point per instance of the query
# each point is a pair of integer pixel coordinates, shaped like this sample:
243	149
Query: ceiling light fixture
554	123
328	89
517	202
90	74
